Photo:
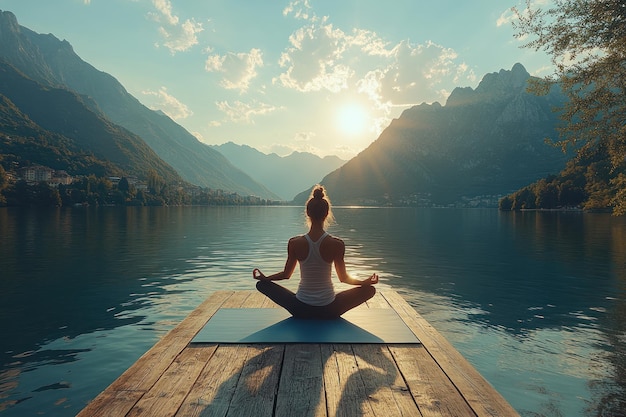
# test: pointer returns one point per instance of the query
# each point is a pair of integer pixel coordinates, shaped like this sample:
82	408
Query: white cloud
164	7
321	57
313	60
506	18
238	69
241	112
416	73
369	42
300	9
301	142
179	37
280	149
168	104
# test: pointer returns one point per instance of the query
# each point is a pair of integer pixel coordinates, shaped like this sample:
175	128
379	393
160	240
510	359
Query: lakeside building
38	173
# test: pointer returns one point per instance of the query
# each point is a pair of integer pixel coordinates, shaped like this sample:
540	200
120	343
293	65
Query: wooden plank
301	379
255	392
480	395
301	388
213	391
378	301
258	300
237	300
166	396
434	394
386	390
124	392
346	395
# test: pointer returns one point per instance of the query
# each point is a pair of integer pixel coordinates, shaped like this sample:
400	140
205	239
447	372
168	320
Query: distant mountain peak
483	143
494	86
284	175
9	20
514	79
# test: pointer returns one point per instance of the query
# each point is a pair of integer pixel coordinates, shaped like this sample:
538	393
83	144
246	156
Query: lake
536	301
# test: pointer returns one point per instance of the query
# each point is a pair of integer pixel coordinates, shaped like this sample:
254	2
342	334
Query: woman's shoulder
297	239
334	241
298	242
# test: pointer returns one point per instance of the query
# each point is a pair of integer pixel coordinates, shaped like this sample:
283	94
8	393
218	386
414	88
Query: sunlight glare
352	119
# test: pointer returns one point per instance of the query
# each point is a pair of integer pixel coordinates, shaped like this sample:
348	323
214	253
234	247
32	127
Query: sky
319	76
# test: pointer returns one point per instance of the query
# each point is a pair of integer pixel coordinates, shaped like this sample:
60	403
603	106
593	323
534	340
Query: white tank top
316	286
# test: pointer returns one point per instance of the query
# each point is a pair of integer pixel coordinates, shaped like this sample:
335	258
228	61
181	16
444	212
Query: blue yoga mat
275	325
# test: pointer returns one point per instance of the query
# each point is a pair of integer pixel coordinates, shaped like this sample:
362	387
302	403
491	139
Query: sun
352	119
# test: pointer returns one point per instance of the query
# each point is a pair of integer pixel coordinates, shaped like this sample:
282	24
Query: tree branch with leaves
586	40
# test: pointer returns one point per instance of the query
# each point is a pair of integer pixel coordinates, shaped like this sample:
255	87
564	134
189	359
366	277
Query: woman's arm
342	273
290	266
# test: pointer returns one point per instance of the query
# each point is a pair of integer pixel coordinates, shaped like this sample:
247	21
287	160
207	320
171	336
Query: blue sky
323	76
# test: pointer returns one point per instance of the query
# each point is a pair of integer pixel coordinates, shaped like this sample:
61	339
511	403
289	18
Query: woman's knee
370	291
263	286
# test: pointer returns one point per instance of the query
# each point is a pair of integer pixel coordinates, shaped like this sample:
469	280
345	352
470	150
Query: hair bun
318	193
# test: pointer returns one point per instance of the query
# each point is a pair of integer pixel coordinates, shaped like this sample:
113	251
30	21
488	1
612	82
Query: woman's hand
371	280
257	274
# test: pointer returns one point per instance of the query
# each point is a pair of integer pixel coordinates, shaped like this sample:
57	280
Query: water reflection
522	272
537	301
546	288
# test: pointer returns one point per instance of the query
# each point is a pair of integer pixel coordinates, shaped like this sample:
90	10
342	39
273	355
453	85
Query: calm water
536	301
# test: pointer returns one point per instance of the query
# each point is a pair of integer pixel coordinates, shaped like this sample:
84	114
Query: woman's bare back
331	248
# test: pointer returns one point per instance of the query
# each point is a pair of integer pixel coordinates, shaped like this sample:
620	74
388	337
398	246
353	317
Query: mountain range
53	64
482	144
285	176
57	128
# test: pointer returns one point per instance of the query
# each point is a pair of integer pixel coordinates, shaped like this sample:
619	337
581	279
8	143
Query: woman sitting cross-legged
316	252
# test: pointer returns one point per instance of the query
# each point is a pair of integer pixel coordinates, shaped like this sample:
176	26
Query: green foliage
40	194
587	43
588	182
4	181
99	191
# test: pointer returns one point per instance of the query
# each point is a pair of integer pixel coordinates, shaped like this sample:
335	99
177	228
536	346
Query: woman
316	252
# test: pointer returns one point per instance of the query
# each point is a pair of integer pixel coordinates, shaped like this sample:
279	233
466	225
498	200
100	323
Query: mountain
285	176
484	142
22	141
59	122
53	63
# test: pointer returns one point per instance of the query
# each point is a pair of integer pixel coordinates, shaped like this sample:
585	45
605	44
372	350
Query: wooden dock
176	378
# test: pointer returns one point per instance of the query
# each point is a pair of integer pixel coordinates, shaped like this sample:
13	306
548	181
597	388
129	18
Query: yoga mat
276	325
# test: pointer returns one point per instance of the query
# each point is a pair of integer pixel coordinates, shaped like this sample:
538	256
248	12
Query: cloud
168	104
280	149
238	69
369	43
415	74
300	9
506	18
313	61
240	112
164	7
321	57
179	37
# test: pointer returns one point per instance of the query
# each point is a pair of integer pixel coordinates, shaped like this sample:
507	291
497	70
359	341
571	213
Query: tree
46	196
4	182
586	40
123	185
156	183
506	203
546	195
